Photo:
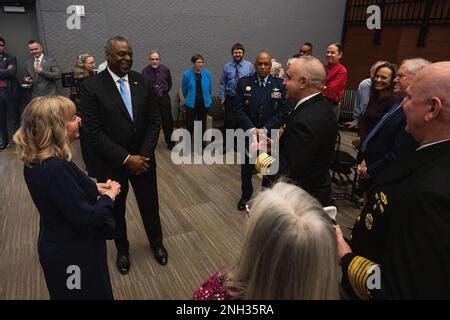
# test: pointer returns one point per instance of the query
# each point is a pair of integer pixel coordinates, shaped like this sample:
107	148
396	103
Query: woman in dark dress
83	69
76	214
382	99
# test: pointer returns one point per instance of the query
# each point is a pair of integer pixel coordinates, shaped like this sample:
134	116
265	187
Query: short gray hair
290	251
415	64
290	61
314	70
154	51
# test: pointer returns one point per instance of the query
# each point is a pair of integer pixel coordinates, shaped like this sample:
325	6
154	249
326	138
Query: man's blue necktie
236	72
378	126
126	96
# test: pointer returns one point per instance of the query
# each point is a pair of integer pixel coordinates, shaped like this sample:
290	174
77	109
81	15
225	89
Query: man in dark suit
388	140
307	143
400	247
122	129
41	72
9	94
260	104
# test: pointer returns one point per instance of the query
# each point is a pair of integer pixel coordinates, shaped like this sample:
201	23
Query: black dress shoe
123	263
160	255
4	146
241	204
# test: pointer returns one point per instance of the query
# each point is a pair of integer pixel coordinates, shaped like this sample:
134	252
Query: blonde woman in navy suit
197	91
76	215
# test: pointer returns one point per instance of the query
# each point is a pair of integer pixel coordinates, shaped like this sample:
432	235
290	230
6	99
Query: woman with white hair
289	252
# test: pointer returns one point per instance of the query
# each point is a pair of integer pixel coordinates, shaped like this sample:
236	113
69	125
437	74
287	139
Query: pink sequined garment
212	289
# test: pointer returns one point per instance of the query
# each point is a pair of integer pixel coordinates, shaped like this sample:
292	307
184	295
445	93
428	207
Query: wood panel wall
397	43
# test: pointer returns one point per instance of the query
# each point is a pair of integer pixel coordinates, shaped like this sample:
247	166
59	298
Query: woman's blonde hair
290	251
43	133
79	70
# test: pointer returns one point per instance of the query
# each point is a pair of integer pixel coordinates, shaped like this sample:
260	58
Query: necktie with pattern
236	72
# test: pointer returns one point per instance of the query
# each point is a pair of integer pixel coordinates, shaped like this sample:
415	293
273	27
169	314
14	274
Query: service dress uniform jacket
258	106
404	230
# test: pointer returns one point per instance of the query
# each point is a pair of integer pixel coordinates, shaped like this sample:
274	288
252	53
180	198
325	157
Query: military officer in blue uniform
260	104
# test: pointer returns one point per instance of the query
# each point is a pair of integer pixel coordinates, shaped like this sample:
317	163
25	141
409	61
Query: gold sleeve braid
358	273
263	162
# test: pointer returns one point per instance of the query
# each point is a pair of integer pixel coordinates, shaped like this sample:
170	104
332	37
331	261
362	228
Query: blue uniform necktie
126	97
262	83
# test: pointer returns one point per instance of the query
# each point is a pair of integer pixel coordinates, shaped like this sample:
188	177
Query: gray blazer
44	83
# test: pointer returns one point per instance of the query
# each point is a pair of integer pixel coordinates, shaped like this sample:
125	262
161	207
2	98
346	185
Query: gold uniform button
369	221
